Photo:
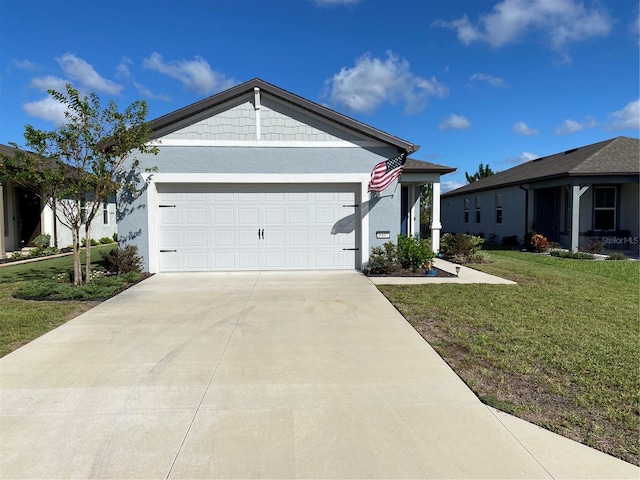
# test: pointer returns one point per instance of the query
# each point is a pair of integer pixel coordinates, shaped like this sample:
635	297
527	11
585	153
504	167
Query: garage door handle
261	234
350	249
167	206
353	206
164	251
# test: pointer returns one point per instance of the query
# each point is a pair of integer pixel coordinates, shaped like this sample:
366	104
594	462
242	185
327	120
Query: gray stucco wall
384	212
513	214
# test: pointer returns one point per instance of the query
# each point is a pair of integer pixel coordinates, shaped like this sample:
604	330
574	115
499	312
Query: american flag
386	172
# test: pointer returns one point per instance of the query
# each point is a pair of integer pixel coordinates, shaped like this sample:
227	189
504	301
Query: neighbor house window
83	211
466	210
604	208
478	207
105	213
499	208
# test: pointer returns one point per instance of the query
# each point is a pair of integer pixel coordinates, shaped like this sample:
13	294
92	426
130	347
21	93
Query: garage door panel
224	238
224	260
223	216
196	238
171	238
254	227
196	216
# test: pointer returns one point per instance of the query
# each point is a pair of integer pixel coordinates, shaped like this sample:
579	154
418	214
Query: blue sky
497	82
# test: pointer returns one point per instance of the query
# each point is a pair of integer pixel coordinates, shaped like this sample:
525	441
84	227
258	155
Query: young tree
82	164
483	171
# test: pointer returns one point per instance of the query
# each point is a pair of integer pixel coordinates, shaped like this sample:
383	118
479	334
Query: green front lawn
24	320
561	349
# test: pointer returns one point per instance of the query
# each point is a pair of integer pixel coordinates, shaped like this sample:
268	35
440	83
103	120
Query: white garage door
256	227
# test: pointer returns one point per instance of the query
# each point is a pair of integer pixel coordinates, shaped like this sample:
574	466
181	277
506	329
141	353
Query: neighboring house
25	216
571	198
257	178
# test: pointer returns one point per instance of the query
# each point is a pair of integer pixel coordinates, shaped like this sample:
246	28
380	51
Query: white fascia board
178	142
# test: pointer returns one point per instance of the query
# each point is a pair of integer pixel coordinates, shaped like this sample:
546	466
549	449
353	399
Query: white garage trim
153	179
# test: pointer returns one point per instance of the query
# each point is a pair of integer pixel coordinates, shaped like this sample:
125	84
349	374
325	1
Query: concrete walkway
259	375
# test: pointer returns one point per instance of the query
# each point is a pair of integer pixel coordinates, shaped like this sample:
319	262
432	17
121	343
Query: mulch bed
412	273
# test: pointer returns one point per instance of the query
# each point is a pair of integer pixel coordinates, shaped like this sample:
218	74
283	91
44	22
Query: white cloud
627	118
455	122
335	2
47	109
572	126
122	70
83	73
145	92
490	79
522	128
49	83
196	75
448	185
374	81
560	22
25	64
522	158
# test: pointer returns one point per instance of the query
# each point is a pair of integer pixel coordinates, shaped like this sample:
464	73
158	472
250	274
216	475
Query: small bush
123	260
510	241
42	241
593	246
414	252
617	256
461	247
383	260
115	236
106	240
539	243
43	252
568	254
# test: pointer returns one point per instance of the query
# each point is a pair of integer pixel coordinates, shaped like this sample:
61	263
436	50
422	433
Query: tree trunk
77	267
87	261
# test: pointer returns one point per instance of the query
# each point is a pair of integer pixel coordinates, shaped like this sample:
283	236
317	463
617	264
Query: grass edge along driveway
22	321
560	350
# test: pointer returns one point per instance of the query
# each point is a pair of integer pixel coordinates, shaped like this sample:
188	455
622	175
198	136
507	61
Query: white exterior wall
98	228
513	214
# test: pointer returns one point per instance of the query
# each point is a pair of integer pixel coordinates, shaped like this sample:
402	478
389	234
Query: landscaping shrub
115	236
593	246
617	256
383	260
569	254
42	241
539	243
510	241
461	248
123	260
106	240
414	252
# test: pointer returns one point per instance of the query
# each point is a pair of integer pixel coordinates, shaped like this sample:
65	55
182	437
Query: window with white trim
478	208
499	208
604	208
105	213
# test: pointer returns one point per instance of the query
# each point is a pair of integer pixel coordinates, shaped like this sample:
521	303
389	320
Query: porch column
414	211
3	253
576	193
436	226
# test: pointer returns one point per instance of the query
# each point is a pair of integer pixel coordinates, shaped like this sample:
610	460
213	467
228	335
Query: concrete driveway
259	375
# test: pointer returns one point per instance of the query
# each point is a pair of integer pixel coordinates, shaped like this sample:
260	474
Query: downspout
526	210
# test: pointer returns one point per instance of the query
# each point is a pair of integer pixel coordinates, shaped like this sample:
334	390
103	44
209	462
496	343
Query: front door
29	210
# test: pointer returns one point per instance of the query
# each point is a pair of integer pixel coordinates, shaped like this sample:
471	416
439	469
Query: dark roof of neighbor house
617	156
420	166
316	109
